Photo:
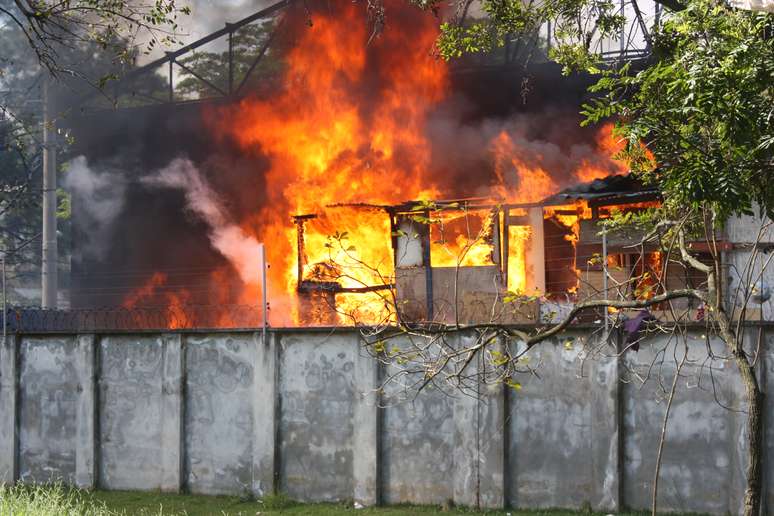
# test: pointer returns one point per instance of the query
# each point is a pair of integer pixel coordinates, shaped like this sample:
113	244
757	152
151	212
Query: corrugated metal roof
615	189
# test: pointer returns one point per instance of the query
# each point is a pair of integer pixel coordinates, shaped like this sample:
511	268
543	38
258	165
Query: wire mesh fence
34	319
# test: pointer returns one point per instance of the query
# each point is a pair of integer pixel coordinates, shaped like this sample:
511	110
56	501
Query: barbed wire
39	320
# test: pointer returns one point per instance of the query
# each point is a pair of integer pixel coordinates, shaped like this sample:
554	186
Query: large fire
349	126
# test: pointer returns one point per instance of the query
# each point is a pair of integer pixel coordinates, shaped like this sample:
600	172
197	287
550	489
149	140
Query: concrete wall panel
130	396
418	449
49	409
551	453
418	441
701	462
8	405
219	415
317	415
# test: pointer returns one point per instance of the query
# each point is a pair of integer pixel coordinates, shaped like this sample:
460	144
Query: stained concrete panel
418	438
442	444
317	411
8	403
742	266
130	394
551	454
701	464
479	423
746	228
418	449
49	407
219	414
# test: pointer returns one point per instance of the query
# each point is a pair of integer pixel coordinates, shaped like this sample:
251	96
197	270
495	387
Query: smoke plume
240	249
100	196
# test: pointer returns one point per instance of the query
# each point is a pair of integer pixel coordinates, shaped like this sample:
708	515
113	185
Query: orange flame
327	147
348	125
155	293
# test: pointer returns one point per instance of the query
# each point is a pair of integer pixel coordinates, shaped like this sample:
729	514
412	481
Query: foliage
49	27
704	108
577	25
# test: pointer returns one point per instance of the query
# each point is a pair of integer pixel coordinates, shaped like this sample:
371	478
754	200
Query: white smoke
99	197
239	248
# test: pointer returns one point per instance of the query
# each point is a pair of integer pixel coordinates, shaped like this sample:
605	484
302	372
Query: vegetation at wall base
58	500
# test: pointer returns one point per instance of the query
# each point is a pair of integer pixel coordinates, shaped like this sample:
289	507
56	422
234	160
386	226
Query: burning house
465	260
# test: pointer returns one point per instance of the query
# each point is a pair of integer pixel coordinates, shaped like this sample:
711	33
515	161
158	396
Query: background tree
48	27
71	45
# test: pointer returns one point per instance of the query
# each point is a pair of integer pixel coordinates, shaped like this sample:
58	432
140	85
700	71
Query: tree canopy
703	107
118	26
697	115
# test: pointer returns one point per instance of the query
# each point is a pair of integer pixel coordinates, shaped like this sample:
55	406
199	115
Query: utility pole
50	255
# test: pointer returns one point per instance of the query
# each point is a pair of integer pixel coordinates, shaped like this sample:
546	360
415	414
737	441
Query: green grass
198	505
60	501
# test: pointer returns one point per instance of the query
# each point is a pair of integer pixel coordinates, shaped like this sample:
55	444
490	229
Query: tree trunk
752	494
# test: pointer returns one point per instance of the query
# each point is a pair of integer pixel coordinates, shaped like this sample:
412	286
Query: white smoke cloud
99	197
239	248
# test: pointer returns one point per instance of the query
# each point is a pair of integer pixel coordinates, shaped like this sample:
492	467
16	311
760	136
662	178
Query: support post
172	413
265	467
9	398
426	259
536	254
506	244
264	293
479	455
366	428
230	59
622	34
171	83
86	413
49	259
5	304
606	427
548	36
765	364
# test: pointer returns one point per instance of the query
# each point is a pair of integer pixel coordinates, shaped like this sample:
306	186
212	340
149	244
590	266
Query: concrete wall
219	416
301	412
565	420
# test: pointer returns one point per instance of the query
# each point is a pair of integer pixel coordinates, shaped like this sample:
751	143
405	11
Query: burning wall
352	121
